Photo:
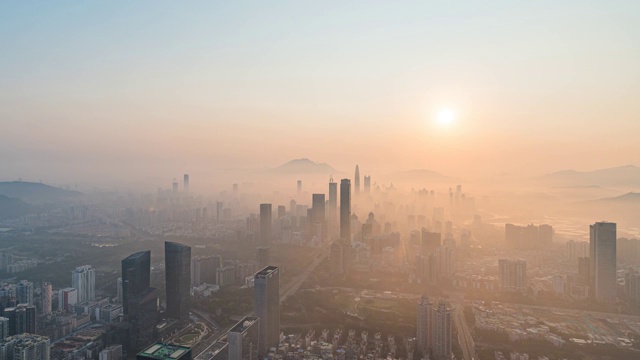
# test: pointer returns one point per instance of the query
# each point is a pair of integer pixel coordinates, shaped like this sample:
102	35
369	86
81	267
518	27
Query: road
464	336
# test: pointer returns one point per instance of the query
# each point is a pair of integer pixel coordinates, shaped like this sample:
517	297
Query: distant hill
11	208
630	198
304	166
419	175
627	176
36	193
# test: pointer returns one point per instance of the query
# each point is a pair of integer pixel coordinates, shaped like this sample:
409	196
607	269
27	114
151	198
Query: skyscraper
345	210
512	274
243	339
136	274
24	292
47	294
139	300
83	278
424	326
333	205
185	183
178	279
442	332
602	255
299	188
318	215
265	223
357	180
367	184
267	307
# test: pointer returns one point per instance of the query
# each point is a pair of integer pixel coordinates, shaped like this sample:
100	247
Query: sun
446	117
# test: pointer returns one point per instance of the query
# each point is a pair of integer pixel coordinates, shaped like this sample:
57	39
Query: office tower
265	223
175	187
318	216
430	242
136	275
282	211
25	347
113	352
47	294
267	307
83	278
262	257
163	351
178	279
299	188
203	269
513	274
4	328
219	206
67	298
119	294
243	339
602	254
333	205
424	326
24	292
442	332
22	319
345	210
357	180
185	183
367	184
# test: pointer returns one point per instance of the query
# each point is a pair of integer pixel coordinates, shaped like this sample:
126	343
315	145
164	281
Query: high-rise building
512	274
113	352
203	269
299	188
162	351
178	280
528	237
632	286
282	211
318	216
442	332
175	187
136	275
430	241
424	326
367	184
25	347
83	278
602	255
243	339
22	319
140	302
219	207
265	223
46	298
267	307
357	180
262	257
4	328
345	210
24	292
67	298
185	183
332	213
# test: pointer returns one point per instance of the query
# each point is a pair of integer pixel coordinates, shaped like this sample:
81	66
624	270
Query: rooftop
162	351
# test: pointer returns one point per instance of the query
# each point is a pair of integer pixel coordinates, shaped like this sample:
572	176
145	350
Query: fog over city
286	180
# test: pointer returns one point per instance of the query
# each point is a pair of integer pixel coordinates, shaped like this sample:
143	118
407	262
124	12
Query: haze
97	93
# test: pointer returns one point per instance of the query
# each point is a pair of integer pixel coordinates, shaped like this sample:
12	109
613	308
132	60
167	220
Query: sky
100	91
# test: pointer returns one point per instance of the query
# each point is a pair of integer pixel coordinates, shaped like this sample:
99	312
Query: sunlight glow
445	117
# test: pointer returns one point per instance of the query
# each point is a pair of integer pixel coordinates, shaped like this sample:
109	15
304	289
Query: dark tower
345	210
177	259
136	273
266	306
265	223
